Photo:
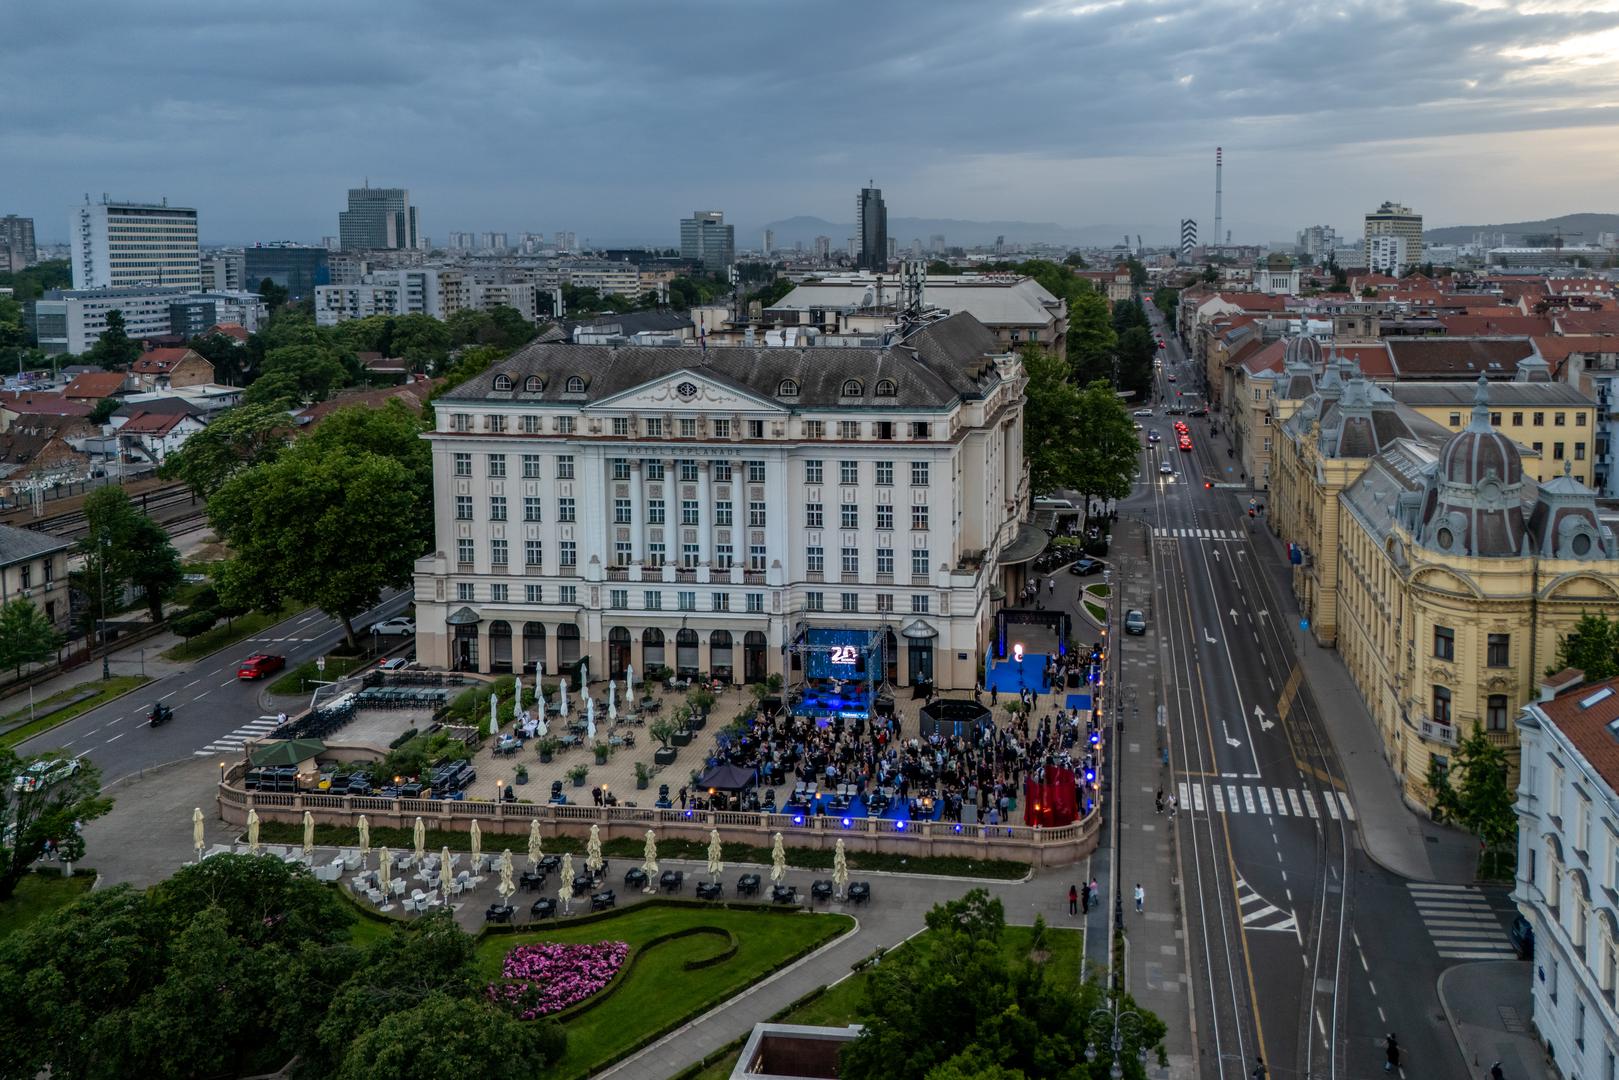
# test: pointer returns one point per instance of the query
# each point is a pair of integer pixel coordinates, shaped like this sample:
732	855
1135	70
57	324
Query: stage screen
837	654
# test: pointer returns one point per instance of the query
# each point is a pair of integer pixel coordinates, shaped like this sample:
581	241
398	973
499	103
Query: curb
70	719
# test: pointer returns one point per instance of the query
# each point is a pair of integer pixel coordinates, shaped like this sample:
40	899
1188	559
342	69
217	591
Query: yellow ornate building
1455	576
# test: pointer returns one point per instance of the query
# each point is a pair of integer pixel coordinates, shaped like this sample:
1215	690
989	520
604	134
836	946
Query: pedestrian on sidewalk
1173	802
1496	1073
1260	1072
1085	896
1391	1050
1094	893
1160	800
1073	900
1141	898
1051	586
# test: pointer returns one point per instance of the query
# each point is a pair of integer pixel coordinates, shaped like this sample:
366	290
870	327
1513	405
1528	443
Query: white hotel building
701	508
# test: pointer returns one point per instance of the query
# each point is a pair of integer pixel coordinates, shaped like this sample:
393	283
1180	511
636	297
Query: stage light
899	826
1096	737
847	823
1090	777
798	819
688	813
958	828
1017	652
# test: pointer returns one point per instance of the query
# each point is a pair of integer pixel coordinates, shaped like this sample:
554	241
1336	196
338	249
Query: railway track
174	507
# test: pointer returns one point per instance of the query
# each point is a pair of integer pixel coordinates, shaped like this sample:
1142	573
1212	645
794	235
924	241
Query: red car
259	665
1186	444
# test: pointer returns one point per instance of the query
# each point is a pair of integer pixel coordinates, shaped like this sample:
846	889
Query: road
1302	949
215	713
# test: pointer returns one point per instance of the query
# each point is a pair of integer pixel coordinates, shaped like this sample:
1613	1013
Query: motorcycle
160	714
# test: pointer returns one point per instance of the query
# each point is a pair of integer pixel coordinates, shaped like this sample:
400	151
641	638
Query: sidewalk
144	657
1489	1007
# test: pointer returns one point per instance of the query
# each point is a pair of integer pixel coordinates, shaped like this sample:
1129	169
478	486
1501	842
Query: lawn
297	680
39	894
659	993
1102	591
1096	611
211	641
108	689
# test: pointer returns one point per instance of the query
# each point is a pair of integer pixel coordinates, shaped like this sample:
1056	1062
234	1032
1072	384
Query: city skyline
1455	92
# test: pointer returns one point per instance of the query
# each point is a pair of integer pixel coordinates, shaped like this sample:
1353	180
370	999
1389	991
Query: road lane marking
1219	800
1309	803
1293	798
1281	803
1248	800
1197	797
192	683
200	696
115	738
168	695
1231	791
227	682
1331	805
1264	801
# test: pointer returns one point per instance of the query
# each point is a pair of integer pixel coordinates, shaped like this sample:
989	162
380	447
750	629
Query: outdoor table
821	890
569	740
709	890
603	899
635	878
549	863
531	880
783	894
582	883
672	880
859	892
498	913
747	885
544	908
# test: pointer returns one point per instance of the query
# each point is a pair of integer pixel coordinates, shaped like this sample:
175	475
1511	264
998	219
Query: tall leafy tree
136	549
229	356
423	341
26	635
113	349
49	814
1474	792
1166	300
1050	423
274	295
1136	348
1107	452
1592	646
1091	337
316	368
245	436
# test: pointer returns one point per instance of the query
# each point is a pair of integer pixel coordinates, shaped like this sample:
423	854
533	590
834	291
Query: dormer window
576	384
503	382
788	388
852	388
886	388
533	384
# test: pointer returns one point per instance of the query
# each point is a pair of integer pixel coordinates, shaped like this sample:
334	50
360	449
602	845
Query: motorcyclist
159	714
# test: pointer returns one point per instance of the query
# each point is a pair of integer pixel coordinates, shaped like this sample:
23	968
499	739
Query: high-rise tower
873	224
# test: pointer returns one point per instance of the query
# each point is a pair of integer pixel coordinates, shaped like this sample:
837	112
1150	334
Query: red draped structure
1049	797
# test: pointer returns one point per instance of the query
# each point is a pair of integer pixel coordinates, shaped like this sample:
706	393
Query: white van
1054	504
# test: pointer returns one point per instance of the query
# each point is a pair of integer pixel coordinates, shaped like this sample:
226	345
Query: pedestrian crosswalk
1260	914
1461	922
224	744
1231	798
1164	533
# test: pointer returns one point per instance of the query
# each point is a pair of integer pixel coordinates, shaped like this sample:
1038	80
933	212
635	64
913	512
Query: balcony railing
1444	734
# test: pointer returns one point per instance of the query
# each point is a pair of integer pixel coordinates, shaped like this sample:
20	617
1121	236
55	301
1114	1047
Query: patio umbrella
716	862
444	870
562	692
650	867
253	832
584	672
506	886
196	831
778	862
309	835
590	717
517	695
494	715
365	841
385	861
444	883
477	842
840	869
593	851
420	837
612	701
541	728
534	852
565	892
629	684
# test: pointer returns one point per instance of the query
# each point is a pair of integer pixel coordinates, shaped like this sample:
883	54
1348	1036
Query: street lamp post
1119	1028
101	571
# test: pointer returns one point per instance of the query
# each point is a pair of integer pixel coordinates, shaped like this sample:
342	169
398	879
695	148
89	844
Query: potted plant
602	750
663	731
643	776
682	720
577	774
701	700
522	775
548	747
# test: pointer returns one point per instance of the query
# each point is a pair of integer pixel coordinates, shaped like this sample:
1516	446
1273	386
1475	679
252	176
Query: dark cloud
613	119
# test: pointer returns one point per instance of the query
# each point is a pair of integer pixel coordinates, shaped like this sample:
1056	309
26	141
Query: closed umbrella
840	869
309	835
565	890
590	717
517	695
541	728
420	837
629	684
444	870
494	715
385	861
477	844
716	862
444	883
196	831
506	886
562	692
612	701
778	862
650	867
593	851
365	841
534	852
253	832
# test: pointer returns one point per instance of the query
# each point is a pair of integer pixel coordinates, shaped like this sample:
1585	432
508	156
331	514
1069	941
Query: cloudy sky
615	119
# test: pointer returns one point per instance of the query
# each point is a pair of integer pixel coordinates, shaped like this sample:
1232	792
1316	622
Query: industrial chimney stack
1219	165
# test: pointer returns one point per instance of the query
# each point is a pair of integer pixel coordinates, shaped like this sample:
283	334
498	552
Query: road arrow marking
1208	637
1264	614
1259	714
1233	616
1232	742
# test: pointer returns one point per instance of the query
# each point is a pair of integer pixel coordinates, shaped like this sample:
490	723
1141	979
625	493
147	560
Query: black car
1085	566
1523	938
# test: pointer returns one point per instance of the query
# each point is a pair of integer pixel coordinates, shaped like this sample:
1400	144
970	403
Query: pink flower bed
543	979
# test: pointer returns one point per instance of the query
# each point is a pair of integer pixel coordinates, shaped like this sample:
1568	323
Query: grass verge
1103	591
41	893
660	992
117	686
1096	611
282	832
243	626
297	680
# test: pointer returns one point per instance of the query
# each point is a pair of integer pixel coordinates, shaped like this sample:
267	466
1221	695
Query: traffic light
1208	485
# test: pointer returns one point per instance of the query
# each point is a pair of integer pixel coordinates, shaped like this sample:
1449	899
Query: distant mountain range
956	232
1574	228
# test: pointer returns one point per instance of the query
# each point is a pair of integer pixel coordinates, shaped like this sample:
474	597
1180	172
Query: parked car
1142	412
1135	622
1085	566
42	774
259	665
394	663
1523	938
395	627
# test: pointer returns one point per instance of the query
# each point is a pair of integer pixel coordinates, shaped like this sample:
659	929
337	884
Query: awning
1030	541
728	778
287	752
919	631
997	593
464	617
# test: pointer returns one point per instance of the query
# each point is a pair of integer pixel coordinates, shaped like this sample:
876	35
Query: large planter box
579	781
665	755
681	738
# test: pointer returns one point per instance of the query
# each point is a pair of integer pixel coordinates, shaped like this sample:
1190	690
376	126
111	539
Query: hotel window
1444	643
723	558
497	508
568	594
498	594
688	471
463	508
654	427
687	600
565	510
621	511
721	470
564	425
533	552
497	465
652	600
919	604
531	508
814	429
689	556
848	429
851	601
812	471
815	559
465	590
531	466
688	512
1559	419
1579	451
621	426
885	602
623	552
621	468
919	474
1455	419
654	470
463	551
919	562
1441	704
722	429
565	467
921	429
813	602
851	560
722	512
851	516
495	422
1539	448
849	472
618	598
756	429
1540	419
885	516
813	516
756	602
756	514
919	517
655	553
1579	419
654	511
1499	650
885	473
461	421
463	464
1557	451
688	427
1496	712
570	553
756	472
1495	419
720	601
1517	419
757	559
534	594
885	560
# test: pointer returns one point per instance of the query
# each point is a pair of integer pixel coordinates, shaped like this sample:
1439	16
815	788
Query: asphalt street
215	713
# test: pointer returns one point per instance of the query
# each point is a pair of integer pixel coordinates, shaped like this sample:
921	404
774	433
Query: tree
245	436
1138	272
228	355
278	391
1128	314
137	549
1210	275
421	340
26	635
113	349
13	329
1050	423
1091	338
1136	349
1592	647
315	367
1166	300
445	1036
52	813
1107	451
274	295
102	413
1483	803
1075	260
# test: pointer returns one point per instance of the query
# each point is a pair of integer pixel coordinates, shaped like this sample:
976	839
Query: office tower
893	249
17	243
121	244
873	225
769	242
823	248
294	267
1317	241
1392	219
936	242
492	241
705	238
377	219
223	270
